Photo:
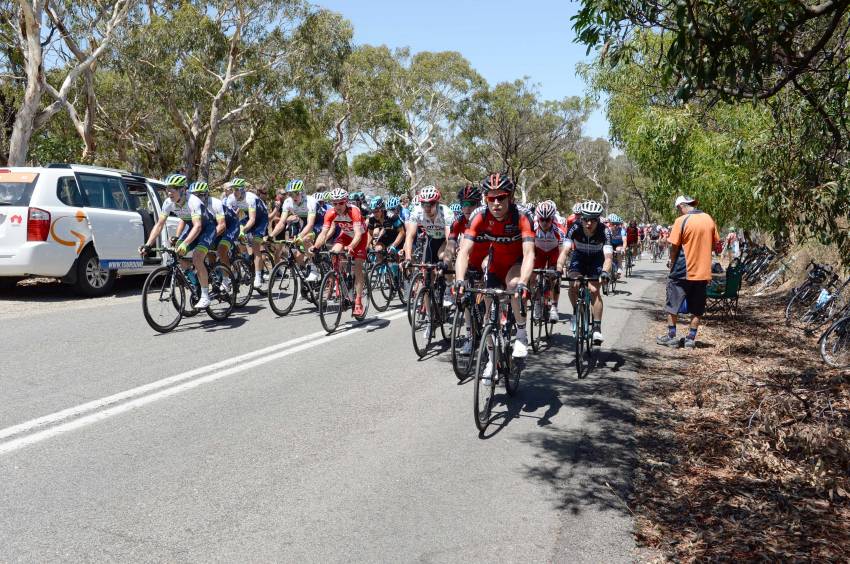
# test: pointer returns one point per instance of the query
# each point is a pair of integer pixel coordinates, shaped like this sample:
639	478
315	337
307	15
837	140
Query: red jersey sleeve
526	228
330	216
475	225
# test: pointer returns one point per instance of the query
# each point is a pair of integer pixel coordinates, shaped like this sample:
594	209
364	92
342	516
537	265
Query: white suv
79	223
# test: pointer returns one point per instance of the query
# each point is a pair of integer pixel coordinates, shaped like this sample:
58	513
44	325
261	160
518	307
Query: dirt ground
744	445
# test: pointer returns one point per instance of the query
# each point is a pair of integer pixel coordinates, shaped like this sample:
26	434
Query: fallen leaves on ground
744	445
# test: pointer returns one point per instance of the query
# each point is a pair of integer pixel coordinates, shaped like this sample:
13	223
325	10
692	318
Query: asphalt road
120	444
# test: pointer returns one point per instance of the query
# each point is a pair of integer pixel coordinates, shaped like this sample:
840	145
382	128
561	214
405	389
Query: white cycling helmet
546	210
338	194
429	194
591	209
577	208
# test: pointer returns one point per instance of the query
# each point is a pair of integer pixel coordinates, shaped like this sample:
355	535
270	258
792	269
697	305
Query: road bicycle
170	292
467	323
288	277
495	346
806	294
835	343
426	308
541	303
629	262
583	323
386	279
242	265
832	302
337	291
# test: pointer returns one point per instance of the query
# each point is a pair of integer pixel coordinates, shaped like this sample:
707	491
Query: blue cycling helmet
393	203
377	203
455	207
615	219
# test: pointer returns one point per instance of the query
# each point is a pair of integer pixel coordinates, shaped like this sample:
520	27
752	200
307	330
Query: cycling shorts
546	259
359	250
261	223
587	265
204	241
432	249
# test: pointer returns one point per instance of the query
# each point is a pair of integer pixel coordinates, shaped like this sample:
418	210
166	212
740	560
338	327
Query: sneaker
466	349
312	275
203	303
690	343
358	309
537	312
573	323
427	331
598	339
487	374
667	341
258	284
553	314
520	348
448	300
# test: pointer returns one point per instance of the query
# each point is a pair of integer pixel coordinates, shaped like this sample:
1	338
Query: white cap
683	200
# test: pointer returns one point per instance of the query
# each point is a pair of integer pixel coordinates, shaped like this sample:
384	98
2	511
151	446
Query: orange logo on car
81	238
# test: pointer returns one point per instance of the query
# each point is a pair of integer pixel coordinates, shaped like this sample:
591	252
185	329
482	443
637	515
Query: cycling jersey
458	228
631	235
302	210
252	202
346	222
618	236
231	222
548	245
434	228
654	233
504	237
390	225
589	250
193	208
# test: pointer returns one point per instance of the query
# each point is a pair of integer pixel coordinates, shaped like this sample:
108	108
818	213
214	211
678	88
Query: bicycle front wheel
283	288
835	344
382	288
580	341
330	302
415	283
242	281
799	306
222	293
483	392
421	326
460	340
162	300
537	321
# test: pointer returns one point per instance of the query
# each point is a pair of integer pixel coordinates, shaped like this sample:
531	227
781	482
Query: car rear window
16	188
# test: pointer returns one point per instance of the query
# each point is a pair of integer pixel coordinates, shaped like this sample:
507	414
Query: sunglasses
468	203
542	219
426	204
590	219
499	198
340	202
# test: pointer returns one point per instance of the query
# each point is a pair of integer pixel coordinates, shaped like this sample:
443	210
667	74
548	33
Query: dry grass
744	445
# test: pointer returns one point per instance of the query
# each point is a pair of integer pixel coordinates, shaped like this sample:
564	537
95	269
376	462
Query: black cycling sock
597	325
671	331
692	334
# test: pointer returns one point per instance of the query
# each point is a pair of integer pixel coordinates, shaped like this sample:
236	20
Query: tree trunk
23	127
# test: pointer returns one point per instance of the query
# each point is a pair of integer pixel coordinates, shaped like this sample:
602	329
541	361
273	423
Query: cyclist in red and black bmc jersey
505	233
352	235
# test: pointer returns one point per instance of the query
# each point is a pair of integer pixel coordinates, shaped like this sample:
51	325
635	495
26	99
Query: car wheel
92	280
7	283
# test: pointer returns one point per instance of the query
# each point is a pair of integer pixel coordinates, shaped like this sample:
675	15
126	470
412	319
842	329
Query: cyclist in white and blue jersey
300	213
255	224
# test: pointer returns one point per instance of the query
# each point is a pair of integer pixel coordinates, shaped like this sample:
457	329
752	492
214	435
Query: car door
117	229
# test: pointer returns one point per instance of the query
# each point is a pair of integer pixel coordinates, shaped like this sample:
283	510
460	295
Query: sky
502	40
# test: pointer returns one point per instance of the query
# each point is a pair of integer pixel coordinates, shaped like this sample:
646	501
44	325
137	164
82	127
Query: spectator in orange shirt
692	239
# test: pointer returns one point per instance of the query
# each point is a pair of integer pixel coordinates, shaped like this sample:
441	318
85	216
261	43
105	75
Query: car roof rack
58	165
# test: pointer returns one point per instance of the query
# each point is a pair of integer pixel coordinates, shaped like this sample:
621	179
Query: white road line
167	387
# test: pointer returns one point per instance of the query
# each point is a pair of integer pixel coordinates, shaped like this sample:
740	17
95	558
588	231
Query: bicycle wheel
483	395
242	281
162	300
548	324
222	293
265	272
382	288
835	344
414	284
537	321
510	370
799	305
421	328
580	340
460	338
365	297
283	288
402	286
330	302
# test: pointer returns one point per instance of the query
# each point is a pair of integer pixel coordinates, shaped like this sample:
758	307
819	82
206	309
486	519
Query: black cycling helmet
498	182
469	192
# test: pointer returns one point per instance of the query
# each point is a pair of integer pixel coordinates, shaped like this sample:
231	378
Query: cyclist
299	214
618	242
352	237
632	239
654	234
470	199
505	233
435	220
196	228
591	256
226	229
550	243
254	226
404	202
387	231
573	217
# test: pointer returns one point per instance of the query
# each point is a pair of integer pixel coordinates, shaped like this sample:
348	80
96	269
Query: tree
92	25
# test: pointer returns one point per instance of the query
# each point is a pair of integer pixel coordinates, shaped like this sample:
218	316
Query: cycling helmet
615	219
393	203
176	180
415	201
338	194
199	187
295	185
498	182
545	210
377	203
238	183
577	208
456	209
470	192
429	194
591	209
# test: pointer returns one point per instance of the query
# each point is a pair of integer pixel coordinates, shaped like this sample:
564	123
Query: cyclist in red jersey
352	236
505	233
